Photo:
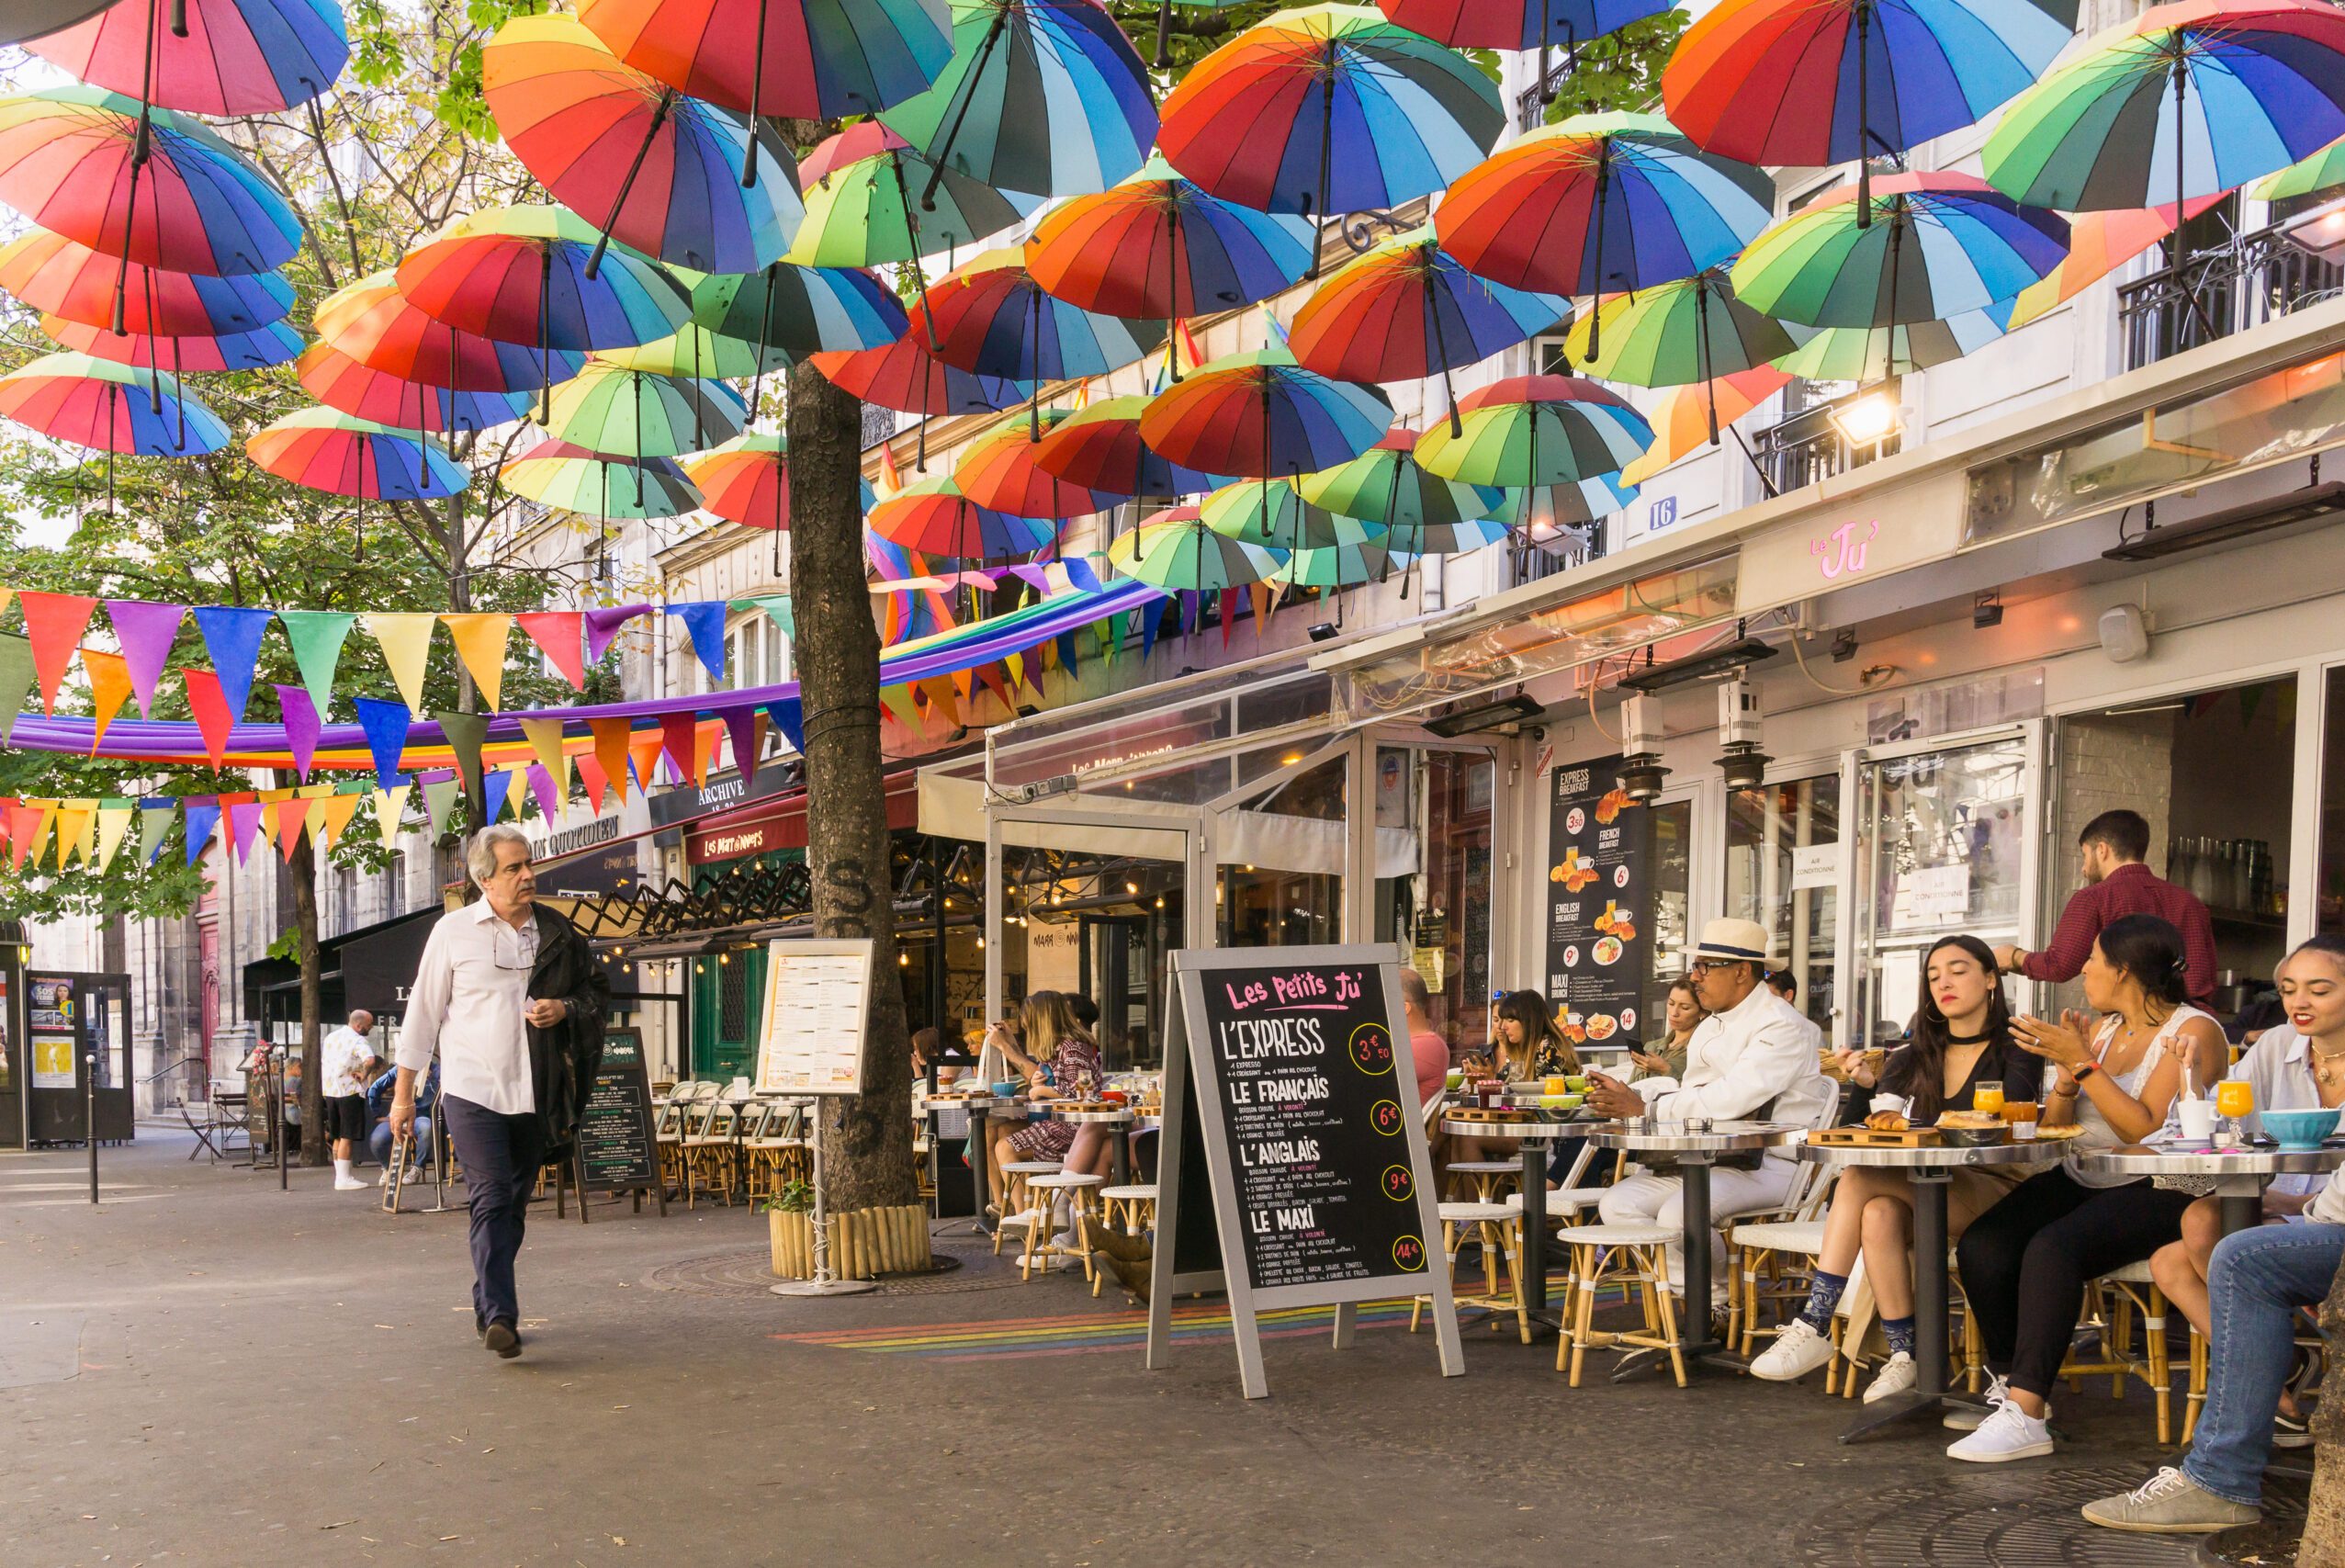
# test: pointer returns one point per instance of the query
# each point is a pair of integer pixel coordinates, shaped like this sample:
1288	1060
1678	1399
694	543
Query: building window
733	998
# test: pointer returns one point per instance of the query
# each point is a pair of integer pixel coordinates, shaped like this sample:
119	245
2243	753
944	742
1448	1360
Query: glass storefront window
1672	878
1782	871
1440	913
1289	892
2331	892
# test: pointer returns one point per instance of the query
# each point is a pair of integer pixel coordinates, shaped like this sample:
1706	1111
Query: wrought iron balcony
2250	280
1807	447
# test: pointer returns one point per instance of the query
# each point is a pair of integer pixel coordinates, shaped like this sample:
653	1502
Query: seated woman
2298	1065
2026	1261
1960	1039
1059	1062
1683	1014
1527	1047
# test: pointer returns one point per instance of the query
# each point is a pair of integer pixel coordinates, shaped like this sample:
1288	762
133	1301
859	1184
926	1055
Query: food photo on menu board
1599	916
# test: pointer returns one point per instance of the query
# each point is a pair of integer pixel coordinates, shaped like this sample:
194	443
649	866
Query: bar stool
1619	1255
1017	1203
1499	1228
1491	1178
1047	1192
1135	1202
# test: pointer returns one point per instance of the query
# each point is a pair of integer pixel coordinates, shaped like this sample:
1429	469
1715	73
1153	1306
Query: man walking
514	1003
346	1061
2109	855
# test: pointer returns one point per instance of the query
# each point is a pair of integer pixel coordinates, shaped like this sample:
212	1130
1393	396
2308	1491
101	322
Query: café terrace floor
205	1370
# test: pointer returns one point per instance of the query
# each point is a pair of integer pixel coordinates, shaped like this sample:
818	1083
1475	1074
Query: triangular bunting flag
109	676
155	825
386	726
439	795
333	816
15	679
232	635
54	622
940	692
740	729
541	784
212	717
898	700
676	731
703	752
290	816
480	642
464	732
495	784
146	633
544	737
558	632
610	757
244	820
1261	593
72	816
777	610
317	637
643	755
603	628
113	823
301	727
594	781
23	819
704	622
1231	599
391	811
788	718
203	817
406	642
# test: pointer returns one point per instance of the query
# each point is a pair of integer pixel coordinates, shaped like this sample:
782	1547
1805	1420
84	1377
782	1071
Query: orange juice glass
1988	1098
2235	1098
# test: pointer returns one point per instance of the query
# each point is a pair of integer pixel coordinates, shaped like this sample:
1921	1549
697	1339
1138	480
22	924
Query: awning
954	808
370	968
781	824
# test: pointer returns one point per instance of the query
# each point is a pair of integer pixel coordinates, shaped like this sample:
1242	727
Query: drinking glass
1987	1099
2235	1098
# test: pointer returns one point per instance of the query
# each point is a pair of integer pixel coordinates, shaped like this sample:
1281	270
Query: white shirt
1760	1056
470	992
2279	1067
346	1053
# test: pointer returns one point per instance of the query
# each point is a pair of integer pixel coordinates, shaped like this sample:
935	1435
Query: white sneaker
1797	1351
348	1184
1968	1418
384	1180
1898	1375
2007	1434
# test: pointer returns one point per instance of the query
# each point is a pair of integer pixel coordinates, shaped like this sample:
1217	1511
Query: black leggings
2024	1263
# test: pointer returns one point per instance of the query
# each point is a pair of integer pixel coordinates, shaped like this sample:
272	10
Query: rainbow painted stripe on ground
1077	1333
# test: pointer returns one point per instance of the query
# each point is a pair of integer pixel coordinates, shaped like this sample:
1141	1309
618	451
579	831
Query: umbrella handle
1164	35
178	18
1595	301
545	336
968	94
1326	139
1864	114
912	228
757	92
626	185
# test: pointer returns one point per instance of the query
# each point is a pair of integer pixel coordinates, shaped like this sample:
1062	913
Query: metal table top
1535	1131
1686	1138
1933	1156
2138	1160
1107	1118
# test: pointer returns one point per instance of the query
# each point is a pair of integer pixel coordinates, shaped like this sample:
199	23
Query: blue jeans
2255	1281
378	1142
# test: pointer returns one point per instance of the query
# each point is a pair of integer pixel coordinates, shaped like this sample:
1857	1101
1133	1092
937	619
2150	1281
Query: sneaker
1969	1417
501	1339
348	1184
2007	1434
384	1180
1898	1375
1797	1351
2291	1431
2170	1503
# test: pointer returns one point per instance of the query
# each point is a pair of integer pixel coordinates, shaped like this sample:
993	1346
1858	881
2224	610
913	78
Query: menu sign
615	1138
818	997
1296	1094
1599	903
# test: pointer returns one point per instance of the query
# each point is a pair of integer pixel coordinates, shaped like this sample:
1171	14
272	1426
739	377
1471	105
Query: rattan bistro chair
709	1138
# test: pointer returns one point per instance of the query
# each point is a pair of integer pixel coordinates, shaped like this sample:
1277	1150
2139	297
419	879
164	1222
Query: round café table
2240	1174
1930	1169
1119	1125
1694	1147
1534	1135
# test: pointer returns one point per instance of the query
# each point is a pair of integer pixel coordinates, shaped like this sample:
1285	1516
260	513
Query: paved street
205	1370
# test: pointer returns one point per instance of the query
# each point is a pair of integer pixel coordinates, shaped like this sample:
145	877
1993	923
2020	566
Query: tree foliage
1619	71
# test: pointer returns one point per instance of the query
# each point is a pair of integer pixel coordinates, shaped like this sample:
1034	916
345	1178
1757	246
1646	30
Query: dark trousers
501	1156
2026	1261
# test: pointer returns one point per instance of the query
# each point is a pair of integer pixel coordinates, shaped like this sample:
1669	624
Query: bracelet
2083	1071
2059	1093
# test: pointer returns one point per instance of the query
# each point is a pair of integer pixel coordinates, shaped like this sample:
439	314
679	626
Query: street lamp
1868	419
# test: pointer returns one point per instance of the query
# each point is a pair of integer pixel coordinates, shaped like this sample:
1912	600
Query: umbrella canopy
1260	415
1425	515
599	484
1099	447
230	57
801	309
115	407
991	316
1937	246
2100	242
1044	97
1154	246
54	275
1543	508
1000	471
1517	24
864	138
695	351
632	413
903	375
2322	171
866	211
662	172
1273	513
519	275
2184	101
275	344
933	515
1174	550
1407	310
1327	110
1876	354
1536	430
375	324
70	160
329	450
1340	566
341	382
811	59
745	480
1684	416
1600	204
1692	329
31	19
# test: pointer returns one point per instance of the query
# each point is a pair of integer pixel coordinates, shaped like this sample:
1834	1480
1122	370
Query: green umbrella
1426	514
866	212
2322	171
1676	333
1175	549
599	484
1342	565
1268	511
1536	430
697	352
1876	354
637	414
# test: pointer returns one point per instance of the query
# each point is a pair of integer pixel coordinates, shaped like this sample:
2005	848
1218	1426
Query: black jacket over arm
564	1059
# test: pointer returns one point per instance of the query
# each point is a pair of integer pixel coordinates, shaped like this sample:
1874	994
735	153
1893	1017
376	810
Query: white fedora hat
1743	941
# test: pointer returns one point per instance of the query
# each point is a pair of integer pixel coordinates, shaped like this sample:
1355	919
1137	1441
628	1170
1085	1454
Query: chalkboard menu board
1599	904
1295	1093
615	1148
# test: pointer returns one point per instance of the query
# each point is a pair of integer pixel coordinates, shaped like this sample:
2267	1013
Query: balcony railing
1807	446
2250	280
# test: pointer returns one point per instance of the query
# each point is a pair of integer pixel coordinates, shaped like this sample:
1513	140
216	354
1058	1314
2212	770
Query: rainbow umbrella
606	409
342	383
1000	471
805	59
1536	430
1261	414
864	212
31	19
933	515
1100	448
659	171
1685	415
1676	334
1826	81
60	278
275	344
1341	566
2100	242
696	352
801	309
1942	245
375	324
745	480
328	450
1327	110
991	317
2322	171
1175	551
115	407
1517	24
1044	97
1424	513
864	138
1876	354
599	484
2186	100
1273	514
903	375
216	57
1406	311
1544	508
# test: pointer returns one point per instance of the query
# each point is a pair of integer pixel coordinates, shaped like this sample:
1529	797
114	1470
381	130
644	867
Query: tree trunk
302	868
2324	1542
867	1141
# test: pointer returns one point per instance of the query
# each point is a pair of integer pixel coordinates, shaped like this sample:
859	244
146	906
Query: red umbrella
214	57
374	324
52	272
999	470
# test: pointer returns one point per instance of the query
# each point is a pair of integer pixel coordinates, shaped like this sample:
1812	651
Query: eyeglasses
506	950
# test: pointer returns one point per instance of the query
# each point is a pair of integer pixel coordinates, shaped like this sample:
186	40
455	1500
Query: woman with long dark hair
1960	1038
1529	1043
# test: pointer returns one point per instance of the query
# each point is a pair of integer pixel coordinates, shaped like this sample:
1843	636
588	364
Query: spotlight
1641	741
1323	631
1740	725
1987	610
1843	645
1869	419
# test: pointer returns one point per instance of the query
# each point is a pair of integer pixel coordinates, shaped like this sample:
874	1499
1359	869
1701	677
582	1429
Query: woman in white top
2026	1261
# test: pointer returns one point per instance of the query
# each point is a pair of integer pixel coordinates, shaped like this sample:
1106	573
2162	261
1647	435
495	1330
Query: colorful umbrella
32	18
115	407
1260	415
990	316
275	344
1826	81
1876	354
1517	24
2324	170
1000	471
216	57
1175	551
1944	243
375	324
1100	448
697	352
2184	101
1685	415
2100	242
341	382
329	450
903	375
1154	246
745	480
1340	566
801	309
1425	515
1327	110
1544	508
630	413
1676	333
659	171
864	212
599	484
53	275
933	515
1044	97
1273	513
1536	430
74	159
806	59
864	138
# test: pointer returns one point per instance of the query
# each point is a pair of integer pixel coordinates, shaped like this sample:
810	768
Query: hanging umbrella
275	344
1044	97
1536	430
114	408
1273	513
1824	81
375	324
1328	110
903	375
1940	245
745	480
1100	448
1154	246
866	212
2098	243
864	138
1685	415
214	57
1175	551
696	352
801	309
2184	101
630	413
1340	566
1260	415
1876	354
32	18
2323	170
341	382
999	470
804	59
1542	509
144	185
1676	333
54	275
599	484
1404	311
933	515
1517	24
1425	515
991	317
329	450
657	170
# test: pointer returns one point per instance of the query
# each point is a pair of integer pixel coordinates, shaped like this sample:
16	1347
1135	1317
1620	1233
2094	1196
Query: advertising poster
1599	904
49	1019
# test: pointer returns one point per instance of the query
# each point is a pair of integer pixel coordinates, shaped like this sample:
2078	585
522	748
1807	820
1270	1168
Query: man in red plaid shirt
2109	852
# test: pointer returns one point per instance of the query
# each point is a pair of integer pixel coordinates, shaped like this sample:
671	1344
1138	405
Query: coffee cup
2022	1115
2198	1120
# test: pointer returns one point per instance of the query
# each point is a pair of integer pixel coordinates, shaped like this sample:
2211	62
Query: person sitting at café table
1683	1013
1529	1047
2026	1261
1960	1040
1753	1056
1059	1061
